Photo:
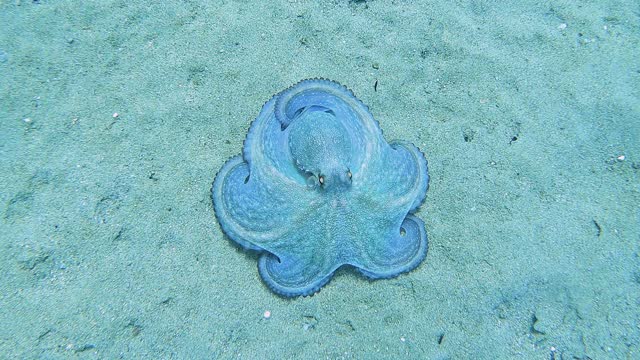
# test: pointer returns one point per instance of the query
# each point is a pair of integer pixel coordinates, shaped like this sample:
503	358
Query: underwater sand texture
116	115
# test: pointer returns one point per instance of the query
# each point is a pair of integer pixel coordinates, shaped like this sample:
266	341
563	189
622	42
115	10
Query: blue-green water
116	115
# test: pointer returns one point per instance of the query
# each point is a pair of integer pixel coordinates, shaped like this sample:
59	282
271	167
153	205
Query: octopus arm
251	210
361	128
297	274
304	268
399	176
400	251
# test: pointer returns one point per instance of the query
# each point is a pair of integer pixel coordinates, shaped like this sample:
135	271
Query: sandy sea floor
116	115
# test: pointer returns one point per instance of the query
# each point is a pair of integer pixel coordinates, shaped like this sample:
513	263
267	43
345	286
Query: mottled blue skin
318	187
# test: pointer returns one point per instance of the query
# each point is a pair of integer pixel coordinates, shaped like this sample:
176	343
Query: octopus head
320	146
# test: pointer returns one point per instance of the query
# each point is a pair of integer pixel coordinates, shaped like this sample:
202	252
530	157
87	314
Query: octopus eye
321	179
349	174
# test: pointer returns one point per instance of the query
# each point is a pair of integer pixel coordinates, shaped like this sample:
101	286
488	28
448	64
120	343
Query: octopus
317	187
